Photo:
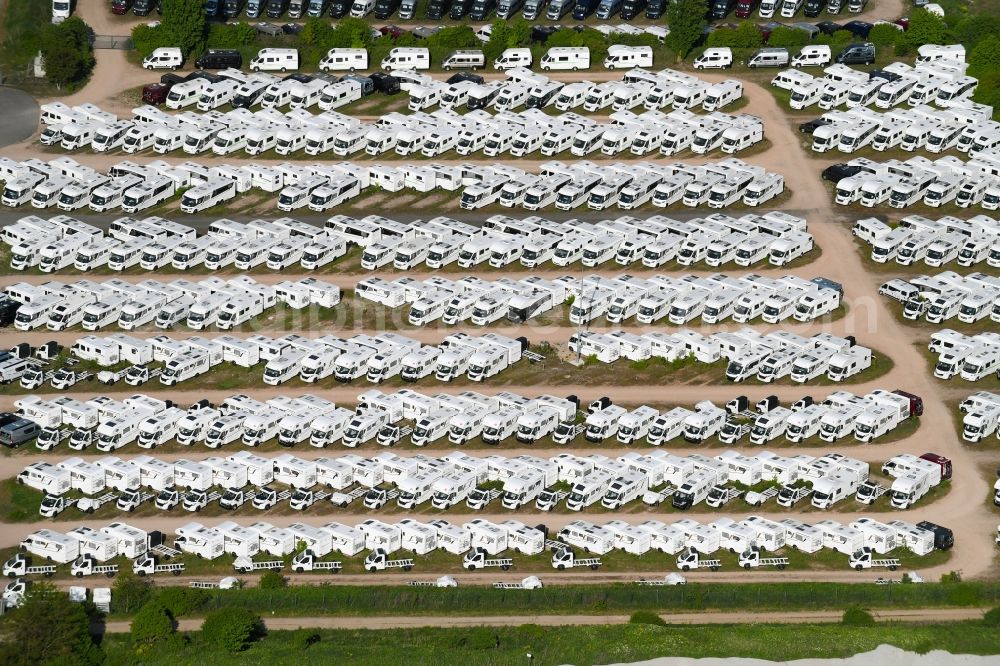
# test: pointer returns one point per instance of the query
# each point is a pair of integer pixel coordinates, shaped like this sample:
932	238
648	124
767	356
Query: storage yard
575	321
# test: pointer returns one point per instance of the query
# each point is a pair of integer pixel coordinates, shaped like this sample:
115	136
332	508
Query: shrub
303	639
153	624
182	600
147	38
272	580
646	617
883	34
991	618
857	617
232	629
789	38
687	22
231	35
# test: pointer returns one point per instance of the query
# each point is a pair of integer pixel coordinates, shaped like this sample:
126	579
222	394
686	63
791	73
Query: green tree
991	618
67	51
130	592
184	24
520	32
984	58
272	580
500	37
231	35
926	28
351	33
747	36
232	629
48	629
687	22
153	625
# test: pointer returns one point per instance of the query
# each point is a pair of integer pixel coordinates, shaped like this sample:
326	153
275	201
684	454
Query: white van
407	58
272	60
769	57
166	57
464	59
621	56
715	58
344	60
566	57
813	55
511	58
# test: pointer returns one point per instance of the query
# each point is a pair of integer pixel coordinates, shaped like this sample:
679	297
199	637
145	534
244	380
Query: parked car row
479	542
971	357
938	298
918	179
776	355
211	302
935	242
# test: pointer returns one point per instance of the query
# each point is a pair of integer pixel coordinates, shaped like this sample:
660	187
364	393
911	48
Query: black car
8	310
465	76
540	33
655	8
859	29
632	8
219	59
339	8
882	74
810	126
385	83
829	27
291	28
301	78
837	172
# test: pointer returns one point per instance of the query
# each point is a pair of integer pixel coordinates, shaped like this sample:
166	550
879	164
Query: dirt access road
413	622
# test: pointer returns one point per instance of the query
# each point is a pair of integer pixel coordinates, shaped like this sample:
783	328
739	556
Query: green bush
687	21
130	592
184	25
182	601
991	618
746	36
646	617
303	639
232	629
443	42
857	617
272	580
147	38
789	38
926	28
152	625
231	35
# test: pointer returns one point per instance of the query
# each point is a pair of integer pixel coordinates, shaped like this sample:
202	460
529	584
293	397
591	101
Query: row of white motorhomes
455	480
154	243
383	417
971	357
134	188
680	301
479	537
292	356
638	87
918	179
935	242
225	304
982	416
934	130
769	358
943	83
938	298
428	134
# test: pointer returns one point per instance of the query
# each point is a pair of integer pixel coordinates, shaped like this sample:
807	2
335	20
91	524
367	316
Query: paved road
20	116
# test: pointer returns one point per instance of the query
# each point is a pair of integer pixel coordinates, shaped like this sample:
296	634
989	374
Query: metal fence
120	42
